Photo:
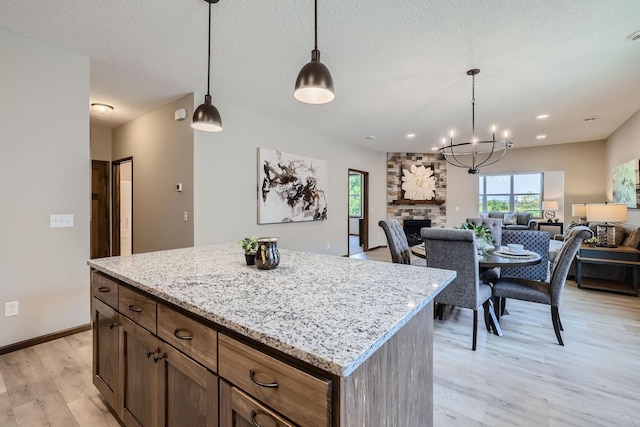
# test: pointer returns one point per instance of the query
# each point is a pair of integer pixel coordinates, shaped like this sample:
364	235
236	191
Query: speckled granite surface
329	311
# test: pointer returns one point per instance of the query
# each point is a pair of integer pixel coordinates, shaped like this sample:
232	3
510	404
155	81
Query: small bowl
515	248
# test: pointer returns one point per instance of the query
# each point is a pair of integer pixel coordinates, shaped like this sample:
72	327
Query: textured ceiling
398	66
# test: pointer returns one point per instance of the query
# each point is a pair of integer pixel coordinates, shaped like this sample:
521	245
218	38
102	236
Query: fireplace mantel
417	202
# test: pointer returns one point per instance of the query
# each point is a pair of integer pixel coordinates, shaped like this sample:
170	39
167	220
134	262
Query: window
511	193
355	196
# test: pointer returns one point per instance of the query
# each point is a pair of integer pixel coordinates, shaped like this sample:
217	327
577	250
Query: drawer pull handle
183	334
150	353
252	375
104	289
158	357
113	325
135	309
254	414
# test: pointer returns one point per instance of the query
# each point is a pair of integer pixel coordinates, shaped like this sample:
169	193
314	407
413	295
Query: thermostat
180	115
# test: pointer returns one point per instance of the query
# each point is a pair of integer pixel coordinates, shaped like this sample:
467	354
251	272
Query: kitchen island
320	340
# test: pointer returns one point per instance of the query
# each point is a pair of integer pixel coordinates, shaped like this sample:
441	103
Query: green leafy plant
249	244
482	232
591	240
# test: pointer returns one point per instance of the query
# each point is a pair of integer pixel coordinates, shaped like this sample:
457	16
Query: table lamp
549	207
580	210
606	213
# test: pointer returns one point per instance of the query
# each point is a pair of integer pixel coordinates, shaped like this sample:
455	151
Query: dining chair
456	249
534	241
397	241
544	292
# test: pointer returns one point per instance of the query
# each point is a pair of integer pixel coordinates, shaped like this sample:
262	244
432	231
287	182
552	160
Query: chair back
397	241
493	224
536	241
560	269
455	249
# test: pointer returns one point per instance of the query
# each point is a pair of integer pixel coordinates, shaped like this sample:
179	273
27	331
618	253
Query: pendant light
314	84
206	117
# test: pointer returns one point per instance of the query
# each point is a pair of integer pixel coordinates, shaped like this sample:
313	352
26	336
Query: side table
619	256
551	224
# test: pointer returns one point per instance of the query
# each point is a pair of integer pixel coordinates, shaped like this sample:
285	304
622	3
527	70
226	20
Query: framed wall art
291	187
626	184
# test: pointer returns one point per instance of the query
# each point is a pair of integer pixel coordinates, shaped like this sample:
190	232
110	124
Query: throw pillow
510	219
621	233
523	218
633	239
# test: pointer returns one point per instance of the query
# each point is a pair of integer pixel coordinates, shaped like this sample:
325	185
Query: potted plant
483	234
249	246
592	241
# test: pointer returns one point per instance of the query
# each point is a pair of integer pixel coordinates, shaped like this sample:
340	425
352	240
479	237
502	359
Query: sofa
513	220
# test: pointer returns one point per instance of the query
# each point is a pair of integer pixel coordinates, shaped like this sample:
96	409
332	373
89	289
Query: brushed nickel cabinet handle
113	325
104	289
252	375
158	357
254	414
135	309
183	334
149	353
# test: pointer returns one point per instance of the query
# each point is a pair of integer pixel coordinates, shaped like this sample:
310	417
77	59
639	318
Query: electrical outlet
185	216
11	308
60	221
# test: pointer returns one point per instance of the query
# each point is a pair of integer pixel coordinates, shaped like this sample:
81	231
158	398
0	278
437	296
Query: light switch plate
60	221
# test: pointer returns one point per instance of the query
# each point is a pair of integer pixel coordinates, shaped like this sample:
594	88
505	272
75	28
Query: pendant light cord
473	106
315	25
209	52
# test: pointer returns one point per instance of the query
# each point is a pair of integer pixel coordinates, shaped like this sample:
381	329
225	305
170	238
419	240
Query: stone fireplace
412	229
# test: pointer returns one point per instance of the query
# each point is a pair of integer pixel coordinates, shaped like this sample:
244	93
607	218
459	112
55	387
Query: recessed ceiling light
370	137
434	148
542	116
101	108
590	118
541	136
634	36
411	135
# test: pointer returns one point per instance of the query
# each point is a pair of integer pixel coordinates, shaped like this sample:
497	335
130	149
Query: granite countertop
332	312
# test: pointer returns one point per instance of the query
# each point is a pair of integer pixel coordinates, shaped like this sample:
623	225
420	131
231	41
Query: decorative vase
267	256
250	258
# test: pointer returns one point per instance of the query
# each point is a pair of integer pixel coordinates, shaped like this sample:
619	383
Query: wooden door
239	410
105	351
139	370
100	236
188	392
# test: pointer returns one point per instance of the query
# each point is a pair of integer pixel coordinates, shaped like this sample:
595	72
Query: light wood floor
521	379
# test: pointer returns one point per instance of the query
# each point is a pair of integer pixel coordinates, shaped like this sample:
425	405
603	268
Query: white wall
624	145
226	182
44	123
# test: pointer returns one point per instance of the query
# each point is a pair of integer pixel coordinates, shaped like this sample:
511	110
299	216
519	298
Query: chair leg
555	318
497	301
438	312
487	316
560	322
475	329
490	316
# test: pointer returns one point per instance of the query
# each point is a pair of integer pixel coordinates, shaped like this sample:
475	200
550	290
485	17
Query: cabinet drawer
189	336
236	405
105	289
138	308
303	398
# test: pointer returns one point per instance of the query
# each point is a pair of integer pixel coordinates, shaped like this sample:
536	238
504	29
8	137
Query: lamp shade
206	117
579	209
550	205
314	84
607	212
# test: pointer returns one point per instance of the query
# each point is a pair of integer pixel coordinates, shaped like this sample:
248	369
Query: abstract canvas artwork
291	187
626	184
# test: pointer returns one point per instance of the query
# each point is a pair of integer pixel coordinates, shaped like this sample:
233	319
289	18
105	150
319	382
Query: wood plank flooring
521	379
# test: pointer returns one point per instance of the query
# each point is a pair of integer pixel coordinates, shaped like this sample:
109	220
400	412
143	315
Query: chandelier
474	154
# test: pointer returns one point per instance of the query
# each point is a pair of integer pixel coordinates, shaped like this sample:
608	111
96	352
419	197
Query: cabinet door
188	392
139	369
239	410
105	351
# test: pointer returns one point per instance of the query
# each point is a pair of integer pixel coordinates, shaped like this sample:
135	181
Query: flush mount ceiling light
101	108
314	84
542	116
634	36
206	117
474	154
541	136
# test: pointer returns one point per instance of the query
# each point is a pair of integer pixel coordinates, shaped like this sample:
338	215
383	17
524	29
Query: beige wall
583	164
226	182
46	170
100	147
624	145
162	151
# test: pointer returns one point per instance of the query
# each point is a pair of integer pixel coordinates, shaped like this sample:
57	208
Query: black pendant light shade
207	117
314	84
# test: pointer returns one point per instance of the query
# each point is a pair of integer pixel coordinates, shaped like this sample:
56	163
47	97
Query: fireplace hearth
412	228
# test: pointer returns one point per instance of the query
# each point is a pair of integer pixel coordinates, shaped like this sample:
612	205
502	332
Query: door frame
100	213
365	209
115	203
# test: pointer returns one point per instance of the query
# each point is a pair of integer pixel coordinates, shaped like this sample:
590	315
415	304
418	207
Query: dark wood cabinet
238	409
105	350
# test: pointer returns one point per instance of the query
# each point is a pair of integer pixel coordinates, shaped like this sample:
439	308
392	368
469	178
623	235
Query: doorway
100	234
122	224
358	212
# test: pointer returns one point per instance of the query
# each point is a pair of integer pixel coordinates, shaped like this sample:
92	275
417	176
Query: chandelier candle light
474	154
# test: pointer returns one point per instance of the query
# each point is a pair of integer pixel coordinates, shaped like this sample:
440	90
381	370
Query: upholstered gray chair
455	249
535	241
493	224
397	241
541	291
